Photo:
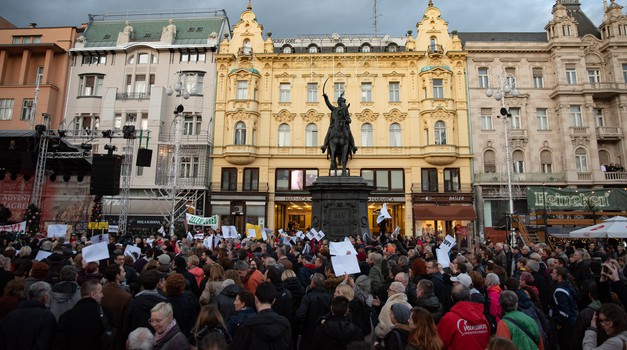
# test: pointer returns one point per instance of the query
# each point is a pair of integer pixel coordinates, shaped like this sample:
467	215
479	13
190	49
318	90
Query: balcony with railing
609	133
261	187
435	50
202	137
605	89
123	96
578	130
440	154
527	178
442	188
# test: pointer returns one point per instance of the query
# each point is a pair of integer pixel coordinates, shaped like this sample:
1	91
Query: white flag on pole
383	214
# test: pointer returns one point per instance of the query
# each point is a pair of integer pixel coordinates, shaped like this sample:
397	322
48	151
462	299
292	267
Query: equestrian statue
338	143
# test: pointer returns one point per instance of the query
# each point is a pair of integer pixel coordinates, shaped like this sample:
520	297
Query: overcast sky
287	18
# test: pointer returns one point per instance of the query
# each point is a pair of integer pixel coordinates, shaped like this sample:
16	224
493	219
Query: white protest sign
251	233
312	233
345	264
448	243
281	231
100	238
57	230
264	235
199	236
95	252
300	234
320	235
130	249
443	258
42	254
341	248
114	228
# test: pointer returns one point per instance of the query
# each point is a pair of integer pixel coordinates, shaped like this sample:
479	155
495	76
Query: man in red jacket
464	327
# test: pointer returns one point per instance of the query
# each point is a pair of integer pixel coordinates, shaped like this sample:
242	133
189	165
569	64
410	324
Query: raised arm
326	100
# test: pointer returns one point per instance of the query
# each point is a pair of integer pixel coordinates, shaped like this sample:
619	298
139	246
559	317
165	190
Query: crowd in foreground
177	294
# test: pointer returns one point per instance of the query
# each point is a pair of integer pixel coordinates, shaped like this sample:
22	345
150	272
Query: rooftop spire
250	5
430	3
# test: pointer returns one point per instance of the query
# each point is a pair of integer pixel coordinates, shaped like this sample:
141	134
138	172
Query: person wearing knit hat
401	314
397	337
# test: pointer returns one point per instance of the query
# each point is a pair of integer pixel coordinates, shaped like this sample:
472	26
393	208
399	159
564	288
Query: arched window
240	133
392	48
287	49
247	48
489	161
440	132
131	59
604	157
311	135
284	135
366	135
518	161
339	48
312	49
395	135
433	44
546	162
365	48
581	160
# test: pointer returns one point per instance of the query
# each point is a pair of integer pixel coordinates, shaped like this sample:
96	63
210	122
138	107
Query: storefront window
295	179
296	182
282	180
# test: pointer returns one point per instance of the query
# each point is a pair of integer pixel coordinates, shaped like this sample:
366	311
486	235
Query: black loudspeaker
28	161
144	157
105	175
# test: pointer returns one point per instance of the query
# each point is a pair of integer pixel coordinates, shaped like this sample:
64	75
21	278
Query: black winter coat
315	304
225	300
266	330
81	327
336	333
138	311
31	326
186	309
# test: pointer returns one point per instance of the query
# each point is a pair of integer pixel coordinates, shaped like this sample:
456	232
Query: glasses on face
604	320
153	322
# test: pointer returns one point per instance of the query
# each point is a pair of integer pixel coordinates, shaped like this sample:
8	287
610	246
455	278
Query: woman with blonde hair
168	335
213	282
423	333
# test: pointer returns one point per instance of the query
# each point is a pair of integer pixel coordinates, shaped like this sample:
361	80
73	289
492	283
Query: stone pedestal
340	206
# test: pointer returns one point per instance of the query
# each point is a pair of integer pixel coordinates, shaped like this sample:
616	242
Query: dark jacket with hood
63	297
293	285
315	304
266	330
283	301
186	309
225	300
237	318
138	311
336	333
433	305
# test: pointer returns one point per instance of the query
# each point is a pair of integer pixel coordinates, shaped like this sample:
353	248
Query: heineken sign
569	199
201	221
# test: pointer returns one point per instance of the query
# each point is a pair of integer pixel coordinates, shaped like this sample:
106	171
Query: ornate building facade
566	125
409	114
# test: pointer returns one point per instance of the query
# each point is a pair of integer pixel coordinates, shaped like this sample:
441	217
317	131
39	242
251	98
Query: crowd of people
246	294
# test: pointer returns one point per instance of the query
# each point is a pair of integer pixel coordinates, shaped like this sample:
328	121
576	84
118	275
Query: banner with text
581	199
202	221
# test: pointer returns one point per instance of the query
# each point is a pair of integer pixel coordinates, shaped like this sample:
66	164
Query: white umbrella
615	227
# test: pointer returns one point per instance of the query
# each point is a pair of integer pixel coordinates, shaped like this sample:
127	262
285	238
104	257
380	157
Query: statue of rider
339	114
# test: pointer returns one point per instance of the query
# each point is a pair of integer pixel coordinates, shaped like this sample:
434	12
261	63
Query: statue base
340	206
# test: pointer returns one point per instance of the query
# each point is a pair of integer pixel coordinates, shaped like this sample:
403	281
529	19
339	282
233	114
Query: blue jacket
564	309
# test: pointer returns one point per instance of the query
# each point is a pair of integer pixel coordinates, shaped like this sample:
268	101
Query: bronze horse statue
339	140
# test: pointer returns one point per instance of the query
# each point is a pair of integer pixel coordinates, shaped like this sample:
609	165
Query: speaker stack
144	157
105	175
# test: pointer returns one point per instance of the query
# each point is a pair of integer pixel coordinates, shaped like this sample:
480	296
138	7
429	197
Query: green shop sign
567	199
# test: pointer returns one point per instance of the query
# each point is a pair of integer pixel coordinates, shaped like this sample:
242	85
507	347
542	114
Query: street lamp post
507	86
181	90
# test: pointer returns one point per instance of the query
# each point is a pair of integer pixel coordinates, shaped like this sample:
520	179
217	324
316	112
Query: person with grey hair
376	273
32	325
410	286
396	295
168	335
315	304
516	325
140	339
65	293
251	277
493	291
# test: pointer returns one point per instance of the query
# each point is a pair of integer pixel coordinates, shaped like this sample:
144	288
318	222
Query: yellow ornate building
408	105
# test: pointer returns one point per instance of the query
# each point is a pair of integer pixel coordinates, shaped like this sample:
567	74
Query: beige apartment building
153	74
567	124
409	114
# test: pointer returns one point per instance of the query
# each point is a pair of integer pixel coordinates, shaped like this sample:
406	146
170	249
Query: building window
599	121
312	49
625	72
295	179
189	57
395	135
516	121
451	180
594	77
90	85
575	116
429	179
433	44
543	119
240	133
229	179
189	167
154	59
27	109
571	74
117	122
6	108
284	92
518	162
194	82
366	92
365	48
484	81
242	90
489	161
97	59
546	162
565	30
311	135
284	135
192	125
538	78
339	48
581	160
510	73
287	49
395	91
366	135
486	119
251	179
140	84
384	180
392	48
131	59
312	92
438	88
338	89
440	133
142	58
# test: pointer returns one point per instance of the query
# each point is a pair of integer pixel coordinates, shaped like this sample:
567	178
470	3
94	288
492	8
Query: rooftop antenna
375	17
